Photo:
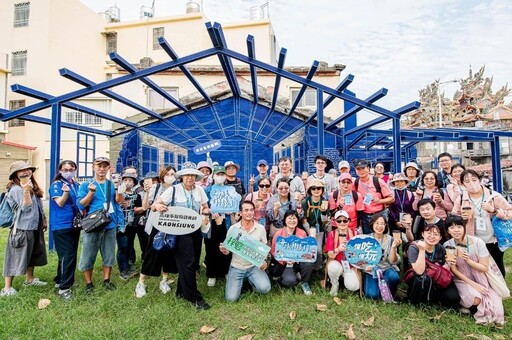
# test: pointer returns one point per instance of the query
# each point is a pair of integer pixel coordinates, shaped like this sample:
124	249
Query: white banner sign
176	221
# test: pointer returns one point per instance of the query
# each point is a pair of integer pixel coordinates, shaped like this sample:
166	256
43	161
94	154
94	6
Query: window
111	42
15	105
19	63
85	154
156	101
168	158
80	118
181	159
308	98
157	33
149	159
21	13
298	157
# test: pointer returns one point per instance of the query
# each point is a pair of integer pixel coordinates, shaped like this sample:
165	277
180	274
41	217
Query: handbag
441	276
503	232
163	241
99	219
496	279
385	292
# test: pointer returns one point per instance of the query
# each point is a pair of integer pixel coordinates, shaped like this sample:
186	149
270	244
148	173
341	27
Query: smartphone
275	169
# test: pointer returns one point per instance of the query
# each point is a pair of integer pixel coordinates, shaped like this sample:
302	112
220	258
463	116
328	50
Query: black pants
66	244
497	255
132	231
421	289
184	255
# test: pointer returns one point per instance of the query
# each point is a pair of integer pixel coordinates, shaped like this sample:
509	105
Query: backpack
376	184
6	212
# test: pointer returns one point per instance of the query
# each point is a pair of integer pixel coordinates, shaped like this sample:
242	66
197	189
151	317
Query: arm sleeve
166	196
412	253
56	190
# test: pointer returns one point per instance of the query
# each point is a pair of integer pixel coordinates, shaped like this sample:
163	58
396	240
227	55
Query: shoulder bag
99	219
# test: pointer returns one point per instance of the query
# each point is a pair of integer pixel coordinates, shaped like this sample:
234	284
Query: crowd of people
416	216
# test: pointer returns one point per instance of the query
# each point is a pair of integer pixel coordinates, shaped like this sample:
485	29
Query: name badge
345	265
480	224
368	199
348	199
262	221
401	218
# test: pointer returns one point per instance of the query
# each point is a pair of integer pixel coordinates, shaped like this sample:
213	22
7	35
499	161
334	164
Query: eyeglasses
346	182
264	185
316	188
430	179
318	162
283	188
67	170
341	220
430	233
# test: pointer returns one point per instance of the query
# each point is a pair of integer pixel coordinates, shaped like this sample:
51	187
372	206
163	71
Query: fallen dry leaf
243	328
170	281
437	317
321	308
246	337
409	337
369	322
206	329
293	314
350	333
43	303
337	300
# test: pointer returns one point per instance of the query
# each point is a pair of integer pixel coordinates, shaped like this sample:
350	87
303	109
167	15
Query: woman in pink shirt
260	199
347	200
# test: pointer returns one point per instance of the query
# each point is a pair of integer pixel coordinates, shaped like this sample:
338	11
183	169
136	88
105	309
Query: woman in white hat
191	196
413	173
401	212
25	247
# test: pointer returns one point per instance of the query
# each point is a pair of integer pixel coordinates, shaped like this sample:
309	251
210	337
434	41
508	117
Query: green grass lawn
116	314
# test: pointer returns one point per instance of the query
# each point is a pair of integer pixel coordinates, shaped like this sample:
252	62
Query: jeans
257	278
104	241
371	284
123	251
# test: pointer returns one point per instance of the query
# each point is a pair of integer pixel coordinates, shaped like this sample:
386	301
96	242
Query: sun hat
231	163
400	177
219	169
412	165
204	164
129	175
151	174
18	166
343	164
189	168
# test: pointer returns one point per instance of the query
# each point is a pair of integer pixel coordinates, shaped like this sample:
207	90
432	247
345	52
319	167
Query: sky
401	45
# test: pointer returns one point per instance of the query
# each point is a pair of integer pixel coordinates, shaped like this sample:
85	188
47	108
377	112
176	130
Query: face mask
402	188
169	179
472	187
129	185
68	175
220	179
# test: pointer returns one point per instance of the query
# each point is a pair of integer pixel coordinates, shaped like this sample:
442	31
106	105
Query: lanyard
401	200
478	207
101	189
189	196
431	257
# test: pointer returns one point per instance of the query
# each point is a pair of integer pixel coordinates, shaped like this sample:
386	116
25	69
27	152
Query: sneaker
8	292
334	289
464	310
125	275
211	282
57	285
89	288
109	285
164	287
65	294
35	282
140	290
202	305
306	289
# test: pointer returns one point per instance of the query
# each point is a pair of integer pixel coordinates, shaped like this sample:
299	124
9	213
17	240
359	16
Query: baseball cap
341	213
361	164
99	160
343	164
262	161
345	176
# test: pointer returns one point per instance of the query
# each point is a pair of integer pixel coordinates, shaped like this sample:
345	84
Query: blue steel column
54	152
497	180
397	159
320	120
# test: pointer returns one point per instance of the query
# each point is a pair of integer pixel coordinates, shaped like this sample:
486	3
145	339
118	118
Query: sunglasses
264	185
316	188
342	220
346	182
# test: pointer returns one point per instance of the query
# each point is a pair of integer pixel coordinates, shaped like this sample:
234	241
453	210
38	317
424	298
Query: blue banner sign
363	251
207	147
295	249
224	199
239	242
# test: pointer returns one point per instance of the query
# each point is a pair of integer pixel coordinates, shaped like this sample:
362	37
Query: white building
41	37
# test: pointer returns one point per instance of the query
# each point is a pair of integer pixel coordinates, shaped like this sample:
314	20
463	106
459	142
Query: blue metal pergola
239	121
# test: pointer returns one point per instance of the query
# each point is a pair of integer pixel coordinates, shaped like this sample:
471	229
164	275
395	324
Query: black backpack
376	184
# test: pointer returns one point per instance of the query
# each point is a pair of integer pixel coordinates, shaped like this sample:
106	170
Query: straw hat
18	166
189	168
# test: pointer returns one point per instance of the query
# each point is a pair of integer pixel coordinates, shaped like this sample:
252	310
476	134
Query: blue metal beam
375	142
112	83
130	68
44	96
356	139
55	150
320	121
366	125
397	160
251	52
218	41
174	56
46	121
497	180
373	98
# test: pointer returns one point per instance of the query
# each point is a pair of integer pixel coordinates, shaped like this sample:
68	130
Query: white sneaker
211	282
334	289
140	290
164	287
8	292
35	282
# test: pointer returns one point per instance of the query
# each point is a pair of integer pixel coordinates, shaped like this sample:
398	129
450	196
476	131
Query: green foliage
117	314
